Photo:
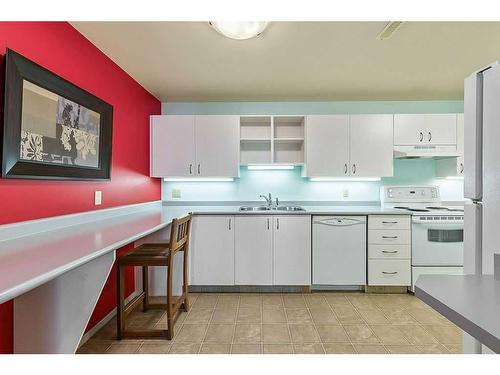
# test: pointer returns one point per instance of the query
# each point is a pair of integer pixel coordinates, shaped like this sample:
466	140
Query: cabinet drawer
389	222
389	272
388	236
389	251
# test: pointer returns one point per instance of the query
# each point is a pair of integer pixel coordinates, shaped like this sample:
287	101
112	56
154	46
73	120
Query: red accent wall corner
62	49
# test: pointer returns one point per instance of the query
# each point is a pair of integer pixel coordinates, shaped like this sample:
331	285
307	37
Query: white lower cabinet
250	250
253	258
389	250
211	254
292	250
387	272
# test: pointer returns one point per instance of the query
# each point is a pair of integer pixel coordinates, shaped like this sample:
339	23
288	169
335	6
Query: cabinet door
460	144
292	250
253	250
371	145
409	129
327	146
441	128
172	146
217	146
212	250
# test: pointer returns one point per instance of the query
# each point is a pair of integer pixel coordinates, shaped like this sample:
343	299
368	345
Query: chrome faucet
268	198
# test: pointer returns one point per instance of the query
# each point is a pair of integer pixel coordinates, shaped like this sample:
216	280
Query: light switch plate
176	193
98	197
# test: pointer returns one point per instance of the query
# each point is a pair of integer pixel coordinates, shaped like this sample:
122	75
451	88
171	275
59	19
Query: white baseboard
86	337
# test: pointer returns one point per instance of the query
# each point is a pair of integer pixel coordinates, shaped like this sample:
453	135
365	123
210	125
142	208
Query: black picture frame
19	69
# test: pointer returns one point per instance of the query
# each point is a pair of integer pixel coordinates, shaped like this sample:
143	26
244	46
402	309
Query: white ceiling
189	61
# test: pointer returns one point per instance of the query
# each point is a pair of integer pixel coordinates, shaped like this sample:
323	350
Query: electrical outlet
98	198
345	193
176	193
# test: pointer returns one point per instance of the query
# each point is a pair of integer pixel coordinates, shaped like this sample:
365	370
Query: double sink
272	208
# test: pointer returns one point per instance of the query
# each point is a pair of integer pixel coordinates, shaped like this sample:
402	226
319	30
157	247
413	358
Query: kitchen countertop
472	302
309	210
31	260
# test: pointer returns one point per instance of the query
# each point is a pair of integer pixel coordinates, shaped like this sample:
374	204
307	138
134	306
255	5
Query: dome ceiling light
239	30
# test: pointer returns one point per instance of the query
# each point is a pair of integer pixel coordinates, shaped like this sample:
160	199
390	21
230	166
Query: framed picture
52	129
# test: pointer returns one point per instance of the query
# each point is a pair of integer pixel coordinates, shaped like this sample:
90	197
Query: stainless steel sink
255	208
289	208
267	208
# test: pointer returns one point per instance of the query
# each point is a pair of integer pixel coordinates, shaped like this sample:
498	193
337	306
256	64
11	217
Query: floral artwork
57	130
31	146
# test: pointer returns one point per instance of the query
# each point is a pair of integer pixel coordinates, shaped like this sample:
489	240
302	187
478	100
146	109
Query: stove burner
412	209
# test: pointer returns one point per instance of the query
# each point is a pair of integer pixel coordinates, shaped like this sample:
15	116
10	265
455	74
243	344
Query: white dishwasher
339	250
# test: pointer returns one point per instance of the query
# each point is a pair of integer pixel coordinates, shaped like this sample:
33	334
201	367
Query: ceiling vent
389	30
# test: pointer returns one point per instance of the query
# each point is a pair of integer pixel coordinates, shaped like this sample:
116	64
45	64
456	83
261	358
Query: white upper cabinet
173	146
190	146
442	128
371	145
454	166
415	129
327	146
292	250
349	145
217	146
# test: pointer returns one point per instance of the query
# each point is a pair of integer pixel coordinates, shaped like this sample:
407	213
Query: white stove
437	229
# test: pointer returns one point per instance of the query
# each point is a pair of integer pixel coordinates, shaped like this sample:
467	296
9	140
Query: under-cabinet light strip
198	179
269	167
343	179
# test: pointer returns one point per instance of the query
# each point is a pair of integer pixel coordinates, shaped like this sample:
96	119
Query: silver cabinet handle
421	136
190	168
430	136
461	167
392	237
389	252
354	169
389	222
267	223
198	169
229	223
345	168
277	223
389	273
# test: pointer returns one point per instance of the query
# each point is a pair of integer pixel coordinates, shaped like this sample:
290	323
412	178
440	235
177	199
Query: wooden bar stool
153	255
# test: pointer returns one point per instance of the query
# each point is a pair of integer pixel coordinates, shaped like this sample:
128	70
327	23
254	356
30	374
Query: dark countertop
472	302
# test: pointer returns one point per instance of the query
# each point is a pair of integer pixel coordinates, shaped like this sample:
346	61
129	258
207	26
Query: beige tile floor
315	323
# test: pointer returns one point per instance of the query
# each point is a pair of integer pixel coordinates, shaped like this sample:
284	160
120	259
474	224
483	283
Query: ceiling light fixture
239	30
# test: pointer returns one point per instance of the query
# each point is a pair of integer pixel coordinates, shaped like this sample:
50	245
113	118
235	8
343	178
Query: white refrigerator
482	176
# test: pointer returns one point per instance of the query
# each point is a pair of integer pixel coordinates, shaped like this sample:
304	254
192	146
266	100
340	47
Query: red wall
60	48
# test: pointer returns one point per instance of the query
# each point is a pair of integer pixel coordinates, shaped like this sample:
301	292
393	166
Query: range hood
426	151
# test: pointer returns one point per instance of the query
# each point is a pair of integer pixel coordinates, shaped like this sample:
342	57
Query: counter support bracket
52	317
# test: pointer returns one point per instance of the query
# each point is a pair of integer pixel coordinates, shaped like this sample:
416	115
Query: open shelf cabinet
272	140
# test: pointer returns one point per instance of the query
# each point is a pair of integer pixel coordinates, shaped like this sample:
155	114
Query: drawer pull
389	273
389	252
389	222
390	237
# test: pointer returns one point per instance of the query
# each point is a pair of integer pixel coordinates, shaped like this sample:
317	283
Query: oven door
437	244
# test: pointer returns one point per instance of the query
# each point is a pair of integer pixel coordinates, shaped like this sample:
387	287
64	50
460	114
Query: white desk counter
55	269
